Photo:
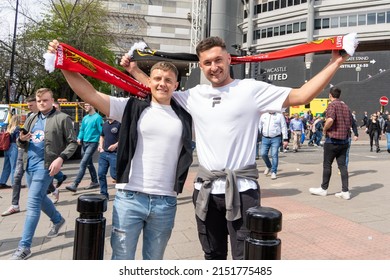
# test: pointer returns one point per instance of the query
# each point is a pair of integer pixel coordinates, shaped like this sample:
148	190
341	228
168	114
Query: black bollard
262	243
90	227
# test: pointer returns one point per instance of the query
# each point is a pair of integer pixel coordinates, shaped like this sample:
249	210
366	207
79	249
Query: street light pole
358	69
11	72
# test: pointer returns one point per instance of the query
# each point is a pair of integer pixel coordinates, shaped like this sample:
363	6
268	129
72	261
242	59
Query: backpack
5	140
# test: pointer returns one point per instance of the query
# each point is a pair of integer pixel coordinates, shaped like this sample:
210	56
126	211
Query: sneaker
71	188
11	210
273	176
56	228
344	195
318	191
56	196
92	186
4	186
285	151
59	183
266	171
22	253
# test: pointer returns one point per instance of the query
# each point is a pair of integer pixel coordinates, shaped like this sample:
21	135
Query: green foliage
80	24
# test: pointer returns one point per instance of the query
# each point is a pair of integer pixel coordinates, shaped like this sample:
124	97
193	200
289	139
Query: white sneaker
318	191
266	171
344	195
273	176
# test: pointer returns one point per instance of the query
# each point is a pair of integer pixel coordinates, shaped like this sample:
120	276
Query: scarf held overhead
71	59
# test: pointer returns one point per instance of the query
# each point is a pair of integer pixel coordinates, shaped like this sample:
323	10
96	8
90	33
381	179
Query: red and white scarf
71	59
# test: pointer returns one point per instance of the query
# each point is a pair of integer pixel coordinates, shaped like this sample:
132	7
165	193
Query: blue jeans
106	160
388	141
89	149
37	182
10	158
134	212
273	144
347	155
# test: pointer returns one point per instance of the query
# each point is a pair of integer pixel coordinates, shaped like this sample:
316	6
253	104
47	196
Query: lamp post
11	72
358	69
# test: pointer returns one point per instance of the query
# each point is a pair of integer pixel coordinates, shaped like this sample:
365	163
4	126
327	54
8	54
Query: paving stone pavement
313	228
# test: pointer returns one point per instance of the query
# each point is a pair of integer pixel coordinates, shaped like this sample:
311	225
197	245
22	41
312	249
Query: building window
362	19
343	21
289	28
282	30
257	34
283	3
388	17
297	2
277	4
352	20
371	18
303	26
276	31
325	23
265	6
270	6
334	22
269	32
380	18
258	9
296	27
317	23
290	3
263	33
303	1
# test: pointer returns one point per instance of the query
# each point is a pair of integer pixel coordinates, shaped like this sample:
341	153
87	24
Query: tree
79	23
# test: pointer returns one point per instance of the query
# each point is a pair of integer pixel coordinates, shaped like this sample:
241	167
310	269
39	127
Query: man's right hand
130	66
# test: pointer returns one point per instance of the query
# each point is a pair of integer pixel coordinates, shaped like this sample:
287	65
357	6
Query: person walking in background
364	119
89	136
296	128
374	131
386	130
108	146
11	155
337	130
49	141
19	169
274	130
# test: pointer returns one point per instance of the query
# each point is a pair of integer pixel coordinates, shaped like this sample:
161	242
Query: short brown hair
41	91
165	66
209	43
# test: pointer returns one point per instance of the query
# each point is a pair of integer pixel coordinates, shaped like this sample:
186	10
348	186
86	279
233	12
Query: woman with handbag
10	155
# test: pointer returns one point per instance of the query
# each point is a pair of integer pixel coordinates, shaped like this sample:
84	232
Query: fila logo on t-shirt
216	100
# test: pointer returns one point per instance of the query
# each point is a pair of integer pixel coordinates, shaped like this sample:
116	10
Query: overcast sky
7	14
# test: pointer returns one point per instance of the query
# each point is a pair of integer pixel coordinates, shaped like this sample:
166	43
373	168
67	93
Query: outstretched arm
83	88
314	86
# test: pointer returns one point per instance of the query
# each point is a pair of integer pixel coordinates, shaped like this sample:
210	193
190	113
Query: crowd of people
139	136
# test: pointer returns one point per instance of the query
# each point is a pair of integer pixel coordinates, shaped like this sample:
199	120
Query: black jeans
213	232
338	152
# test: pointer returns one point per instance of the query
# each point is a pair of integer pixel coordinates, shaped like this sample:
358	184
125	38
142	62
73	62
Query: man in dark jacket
49	141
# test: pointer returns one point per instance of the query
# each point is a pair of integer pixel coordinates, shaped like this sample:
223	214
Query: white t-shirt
226	123
159	142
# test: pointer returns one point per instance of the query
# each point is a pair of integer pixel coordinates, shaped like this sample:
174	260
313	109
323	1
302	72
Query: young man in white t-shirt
226	117
154	155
